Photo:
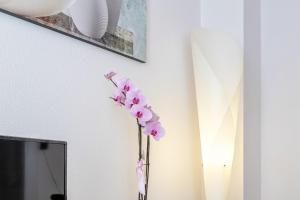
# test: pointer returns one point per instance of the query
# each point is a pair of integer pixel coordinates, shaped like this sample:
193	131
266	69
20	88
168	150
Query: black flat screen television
32	169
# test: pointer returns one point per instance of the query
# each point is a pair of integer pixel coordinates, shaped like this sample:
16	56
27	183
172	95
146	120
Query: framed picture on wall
116	25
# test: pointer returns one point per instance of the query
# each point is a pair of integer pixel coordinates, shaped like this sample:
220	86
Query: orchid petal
109	74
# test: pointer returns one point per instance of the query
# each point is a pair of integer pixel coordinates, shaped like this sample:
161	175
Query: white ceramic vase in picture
35	8
114	10
90	17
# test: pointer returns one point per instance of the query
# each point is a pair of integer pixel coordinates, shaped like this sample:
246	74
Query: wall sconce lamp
218	66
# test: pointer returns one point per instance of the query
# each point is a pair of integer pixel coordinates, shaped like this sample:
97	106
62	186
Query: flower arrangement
130	97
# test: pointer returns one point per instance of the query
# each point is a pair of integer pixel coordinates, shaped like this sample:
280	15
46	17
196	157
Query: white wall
224	15
280	99
252	100
51	86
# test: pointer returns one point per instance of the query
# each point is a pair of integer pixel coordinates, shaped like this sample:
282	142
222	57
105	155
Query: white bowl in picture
35	8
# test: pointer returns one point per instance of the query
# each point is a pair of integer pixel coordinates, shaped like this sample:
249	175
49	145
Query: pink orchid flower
109	74
141	177
155	129
155	117
125	85
119	97
135	97
141	113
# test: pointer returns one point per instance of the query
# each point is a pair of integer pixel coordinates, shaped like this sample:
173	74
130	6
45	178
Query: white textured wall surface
51	86
280	100
252	100
224	15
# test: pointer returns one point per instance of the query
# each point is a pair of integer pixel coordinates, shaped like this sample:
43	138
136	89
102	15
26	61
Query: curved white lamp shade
218	65
35	8
90	17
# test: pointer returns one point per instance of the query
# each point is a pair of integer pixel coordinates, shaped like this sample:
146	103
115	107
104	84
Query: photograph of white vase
90	17
35	8
114	9
116	25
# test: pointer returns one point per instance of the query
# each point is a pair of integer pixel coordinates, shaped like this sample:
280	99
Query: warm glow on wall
218	65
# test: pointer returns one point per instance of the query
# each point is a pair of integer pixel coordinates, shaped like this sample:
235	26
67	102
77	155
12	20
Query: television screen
32	169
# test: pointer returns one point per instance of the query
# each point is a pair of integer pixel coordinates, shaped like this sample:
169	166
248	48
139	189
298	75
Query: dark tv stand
57	197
